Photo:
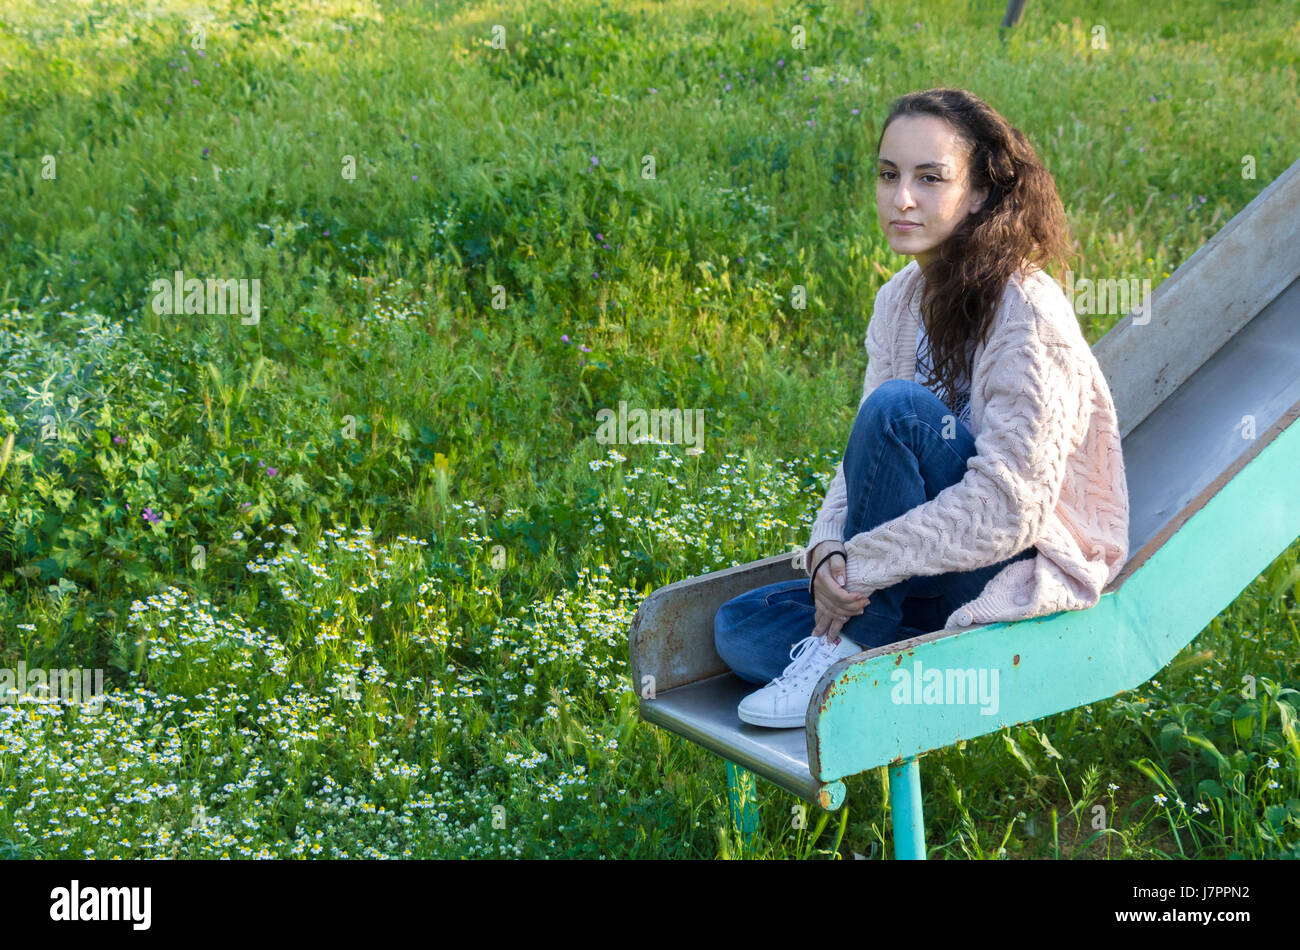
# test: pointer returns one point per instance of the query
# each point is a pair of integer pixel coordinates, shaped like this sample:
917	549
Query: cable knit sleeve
829	524
1012	482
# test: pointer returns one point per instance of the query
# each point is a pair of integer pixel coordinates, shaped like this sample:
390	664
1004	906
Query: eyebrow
940	165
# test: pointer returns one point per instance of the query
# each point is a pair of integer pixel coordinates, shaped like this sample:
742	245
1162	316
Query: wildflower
1160	799
118	440
1272	763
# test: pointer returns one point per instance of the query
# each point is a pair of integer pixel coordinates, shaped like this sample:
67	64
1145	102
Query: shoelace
801	654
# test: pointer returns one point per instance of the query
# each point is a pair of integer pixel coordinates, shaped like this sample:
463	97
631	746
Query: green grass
379	603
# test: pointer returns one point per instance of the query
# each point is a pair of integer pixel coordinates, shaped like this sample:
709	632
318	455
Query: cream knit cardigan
1048	469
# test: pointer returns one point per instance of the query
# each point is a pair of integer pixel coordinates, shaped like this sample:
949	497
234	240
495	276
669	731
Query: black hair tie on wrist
813	576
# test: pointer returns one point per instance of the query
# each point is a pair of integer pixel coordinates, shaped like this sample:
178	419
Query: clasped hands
834	606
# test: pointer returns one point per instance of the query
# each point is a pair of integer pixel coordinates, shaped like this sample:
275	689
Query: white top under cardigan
962	407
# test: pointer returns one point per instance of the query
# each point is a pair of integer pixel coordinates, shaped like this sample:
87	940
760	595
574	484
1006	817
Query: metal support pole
742	791
905	803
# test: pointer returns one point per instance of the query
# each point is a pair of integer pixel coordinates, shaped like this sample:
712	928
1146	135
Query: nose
902	197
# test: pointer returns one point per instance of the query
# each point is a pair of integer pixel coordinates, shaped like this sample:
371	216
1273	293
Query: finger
828	588
834	612
844	591
845	604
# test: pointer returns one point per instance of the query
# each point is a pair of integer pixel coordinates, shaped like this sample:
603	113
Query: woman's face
921	177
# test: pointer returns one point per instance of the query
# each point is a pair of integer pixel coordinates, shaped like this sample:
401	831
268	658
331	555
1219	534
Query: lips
904	225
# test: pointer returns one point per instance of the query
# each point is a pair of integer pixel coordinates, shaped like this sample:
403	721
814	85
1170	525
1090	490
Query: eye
923	177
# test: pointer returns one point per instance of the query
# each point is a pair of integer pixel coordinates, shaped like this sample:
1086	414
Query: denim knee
890	400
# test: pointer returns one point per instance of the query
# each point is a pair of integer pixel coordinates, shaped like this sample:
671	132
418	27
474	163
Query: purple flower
564	337
415	178
200	52
118	440
585	349
271	472
150	516
595	160
205	151
853	112
327	232
598	237
726	87
653	89
1153	98
194	81
247	504
780	63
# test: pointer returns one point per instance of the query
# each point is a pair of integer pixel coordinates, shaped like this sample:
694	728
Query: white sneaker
783	703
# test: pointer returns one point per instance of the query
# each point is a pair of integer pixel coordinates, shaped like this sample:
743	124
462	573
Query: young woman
983	479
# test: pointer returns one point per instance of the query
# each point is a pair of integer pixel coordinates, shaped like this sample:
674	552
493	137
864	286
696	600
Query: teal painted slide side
874	711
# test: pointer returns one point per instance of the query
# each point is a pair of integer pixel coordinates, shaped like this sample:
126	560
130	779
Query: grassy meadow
360	573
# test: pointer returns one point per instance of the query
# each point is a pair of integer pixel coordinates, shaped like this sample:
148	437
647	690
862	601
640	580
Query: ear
980	197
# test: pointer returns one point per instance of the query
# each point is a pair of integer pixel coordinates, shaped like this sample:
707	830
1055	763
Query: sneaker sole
773	722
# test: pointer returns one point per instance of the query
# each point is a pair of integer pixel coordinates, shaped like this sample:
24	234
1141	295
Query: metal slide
1207	390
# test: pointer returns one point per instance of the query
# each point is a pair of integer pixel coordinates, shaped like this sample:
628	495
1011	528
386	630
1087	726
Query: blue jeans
896	459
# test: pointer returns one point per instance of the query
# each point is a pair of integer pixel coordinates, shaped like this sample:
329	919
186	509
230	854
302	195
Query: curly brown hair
1021	221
